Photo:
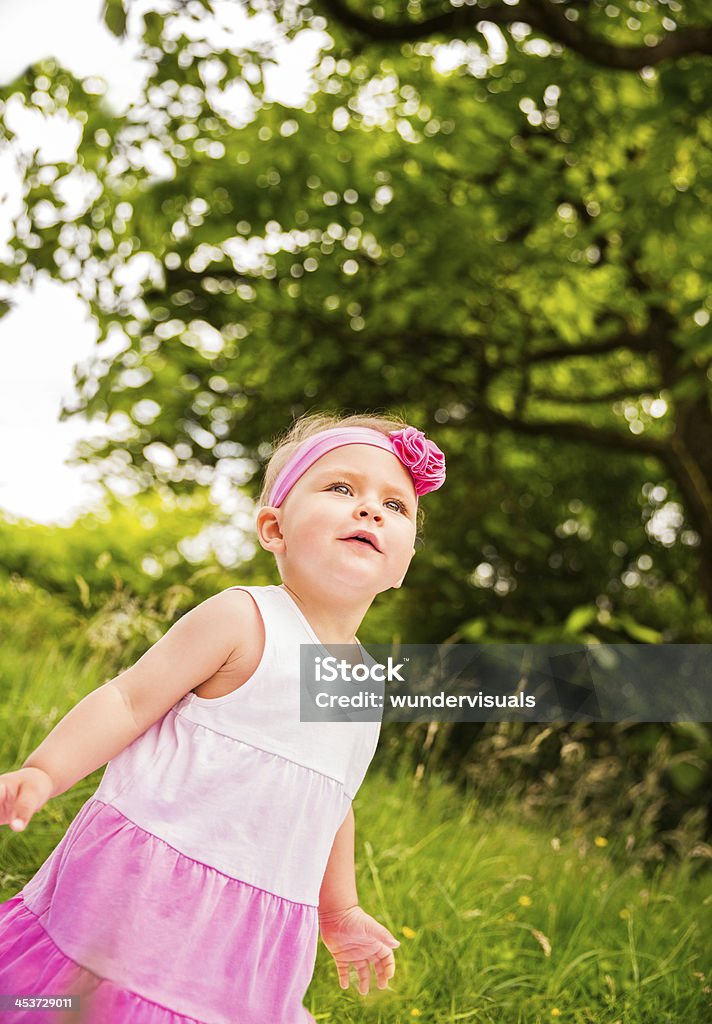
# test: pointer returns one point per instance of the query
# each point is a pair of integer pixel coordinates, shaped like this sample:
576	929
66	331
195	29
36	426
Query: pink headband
420	456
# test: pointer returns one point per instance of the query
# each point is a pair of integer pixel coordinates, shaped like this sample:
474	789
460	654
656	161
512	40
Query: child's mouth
363	543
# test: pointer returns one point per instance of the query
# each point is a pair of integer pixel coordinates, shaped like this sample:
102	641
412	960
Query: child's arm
338	886
350	934
95	730
111	717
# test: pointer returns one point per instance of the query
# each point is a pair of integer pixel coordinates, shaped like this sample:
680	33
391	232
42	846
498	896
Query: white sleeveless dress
186	889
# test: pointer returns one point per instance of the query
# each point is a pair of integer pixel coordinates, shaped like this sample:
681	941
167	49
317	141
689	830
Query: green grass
505	922
500	921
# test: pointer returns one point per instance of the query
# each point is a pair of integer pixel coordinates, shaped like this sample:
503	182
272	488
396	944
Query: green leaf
687	776
581	617
637	631
690	387
153	27
84	592
114	17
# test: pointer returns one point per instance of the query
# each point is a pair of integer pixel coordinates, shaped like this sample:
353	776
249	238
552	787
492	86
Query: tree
625	36
510	252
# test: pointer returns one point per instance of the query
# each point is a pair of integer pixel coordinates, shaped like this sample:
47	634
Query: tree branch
582	433
609	396
547	17
593	348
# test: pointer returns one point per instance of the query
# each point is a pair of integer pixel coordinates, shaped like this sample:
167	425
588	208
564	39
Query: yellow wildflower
601	841
524	901
408	932
625	913
555	1011
415	1012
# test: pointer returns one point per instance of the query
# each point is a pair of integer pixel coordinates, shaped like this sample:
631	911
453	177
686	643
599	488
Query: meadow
502	919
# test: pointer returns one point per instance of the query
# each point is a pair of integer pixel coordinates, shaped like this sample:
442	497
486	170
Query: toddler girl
193	885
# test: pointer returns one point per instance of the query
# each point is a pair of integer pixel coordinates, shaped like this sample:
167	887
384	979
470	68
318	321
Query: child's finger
24	808
18	820
363	969
7	799
381	978
385	968
343	972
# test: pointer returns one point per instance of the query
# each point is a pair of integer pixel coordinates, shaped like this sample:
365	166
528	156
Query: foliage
630	35
132	545
493	220
648	784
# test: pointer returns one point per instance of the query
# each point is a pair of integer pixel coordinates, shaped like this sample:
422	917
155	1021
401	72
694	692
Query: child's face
377	495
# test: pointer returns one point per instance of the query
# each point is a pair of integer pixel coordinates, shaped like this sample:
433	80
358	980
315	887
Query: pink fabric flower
421	457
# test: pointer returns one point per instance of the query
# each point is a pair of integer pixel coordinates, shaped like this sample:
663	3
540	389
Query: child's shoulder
240	615
218	639
236	615
233	602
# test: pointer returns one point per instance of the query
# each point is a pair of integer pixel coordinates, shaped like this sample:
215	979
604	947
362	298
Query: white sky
48	331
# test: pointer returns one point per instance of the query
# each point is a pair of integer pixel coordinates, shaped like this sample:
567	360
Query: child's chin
356	578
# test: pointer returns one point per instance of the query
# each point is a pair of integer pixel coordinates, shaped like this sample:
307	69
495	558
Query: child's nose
370	506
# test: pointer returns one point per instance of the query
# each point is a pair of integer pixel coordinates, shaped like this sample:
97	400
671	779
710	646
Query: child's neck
336	623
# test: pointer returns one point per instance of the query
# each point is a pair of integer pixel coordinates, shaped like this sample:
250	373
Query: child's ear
269	532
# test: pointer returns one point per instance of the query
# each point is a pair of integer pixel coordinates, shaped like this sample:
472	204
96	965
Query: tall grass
505	922
501	921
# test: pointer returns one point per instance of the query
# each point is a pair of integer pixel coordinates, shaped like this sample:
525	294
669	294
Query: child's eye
400	507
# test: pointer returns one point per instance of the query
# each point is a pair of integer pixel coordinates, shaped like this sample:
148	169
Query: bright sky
48	331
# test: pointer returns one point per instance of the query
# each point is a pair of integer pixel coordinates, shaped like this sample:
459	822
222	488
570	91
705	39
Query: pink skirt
146	935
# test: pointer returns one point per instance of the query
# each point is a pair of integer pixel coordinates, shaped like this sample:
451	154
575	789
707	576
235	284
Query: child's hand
354	937
22	793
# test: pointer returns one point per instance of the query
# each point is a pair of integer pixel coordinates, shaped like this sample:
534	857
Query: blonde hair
284	446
